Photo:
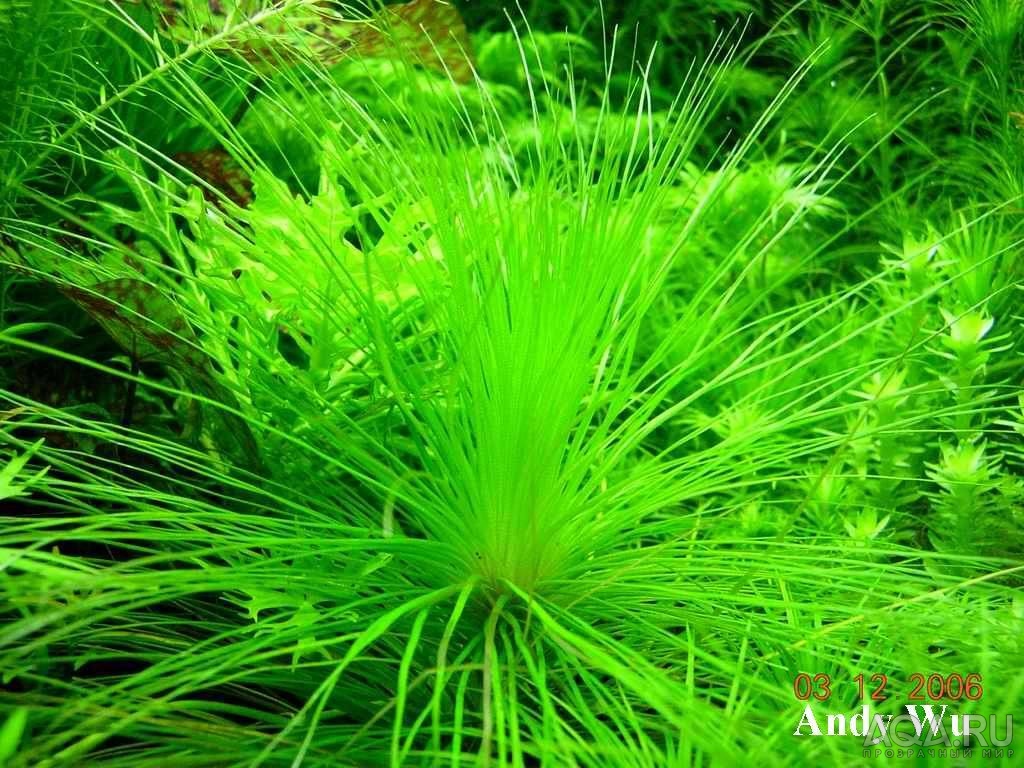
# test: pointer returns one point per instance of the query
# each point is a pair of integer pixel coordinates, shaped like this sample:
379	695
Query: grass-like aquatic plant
400	417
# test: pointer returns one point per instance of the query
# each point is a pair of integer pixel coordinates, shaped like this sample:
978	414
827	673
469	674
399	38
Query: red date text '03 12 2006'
877	687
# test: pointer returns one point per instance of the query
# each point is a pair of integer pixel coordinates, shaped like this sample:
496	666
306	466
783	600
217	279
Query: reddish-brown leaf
144	322
218	169
431	32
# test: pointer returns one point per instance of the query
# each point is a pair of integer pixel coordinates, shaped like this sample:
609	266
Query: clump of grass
485	436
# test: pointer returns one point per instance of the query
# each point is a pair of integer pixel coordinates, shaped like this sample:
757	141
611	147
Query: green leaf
11	733
9	474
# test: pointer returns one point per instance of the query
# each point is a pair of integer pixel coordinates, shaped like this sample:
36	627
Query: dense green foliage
360	410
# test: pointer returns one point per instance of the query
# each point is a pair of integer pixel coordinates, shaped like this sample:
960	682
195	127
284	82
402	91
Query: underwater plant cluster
535	384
